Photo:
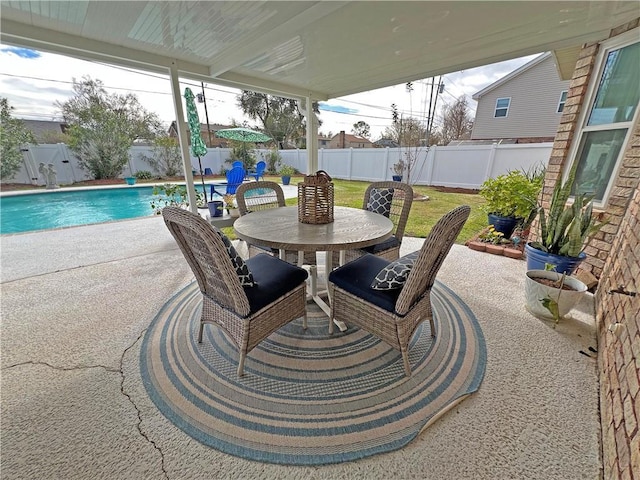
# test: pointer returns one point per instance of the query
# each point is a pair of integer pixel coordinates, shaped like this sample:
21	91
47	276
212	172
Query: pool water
55	209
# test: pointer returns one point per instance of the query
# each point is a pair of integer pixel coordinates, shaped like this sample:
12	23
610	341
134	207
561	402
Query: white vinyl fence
452	166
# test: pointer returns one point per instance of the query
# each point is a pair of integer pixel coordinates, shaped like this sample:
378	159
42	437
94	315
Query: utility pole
203	99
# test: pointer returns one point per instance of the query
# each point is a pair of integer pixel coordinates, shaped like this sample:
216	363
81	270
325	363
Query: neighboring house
385	142
524	106
46	131
346	140
323	142
600	129
210	140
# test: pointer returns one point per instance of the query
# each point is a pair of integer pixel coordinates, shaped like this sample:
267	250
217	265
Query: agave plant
566	230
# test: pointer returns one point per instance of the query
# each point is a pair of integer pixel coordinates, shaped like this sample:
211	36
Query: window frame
605	47
562	102
495	110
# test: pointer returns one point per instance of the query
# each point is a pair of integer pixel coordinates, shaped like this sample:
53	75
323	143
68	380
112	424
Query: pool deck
76	303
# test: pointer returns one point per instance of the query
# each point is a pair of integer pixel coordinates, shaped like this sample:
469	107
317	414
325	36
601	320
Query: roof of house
40	127
352	138
515	73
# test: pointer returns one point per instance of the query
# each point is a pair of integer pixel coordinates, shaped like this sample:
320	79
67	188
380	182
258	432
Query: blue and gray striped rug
308	398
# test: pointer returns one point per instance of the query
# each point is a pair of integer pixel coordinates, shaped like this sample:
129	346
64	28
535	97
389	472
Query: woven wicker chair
394	315
256	196
399	214
247	314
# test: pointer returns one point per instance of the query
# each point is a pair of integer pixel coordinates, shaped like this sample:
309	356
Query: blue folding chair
259	171
235	177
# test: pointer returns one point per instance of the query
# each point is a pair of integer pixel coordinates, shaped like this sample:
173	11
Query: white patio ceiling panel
318	49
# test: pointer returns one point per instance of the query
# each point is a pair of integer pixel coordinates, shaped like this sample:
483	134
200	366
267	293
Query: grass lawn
424	214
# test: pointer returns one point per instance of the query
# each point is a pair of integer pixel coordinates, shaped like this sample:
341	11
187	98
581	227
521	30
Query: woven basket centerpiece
315	198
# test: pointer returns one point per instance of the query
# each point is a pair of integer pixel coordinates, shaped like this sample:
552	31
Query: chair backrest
260	166
237	163
261	195
400	204
235	177
208	258
433	252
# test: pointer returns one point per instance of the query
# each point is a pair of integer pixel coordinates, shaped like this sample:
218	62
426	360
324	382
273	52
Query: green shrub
514	194
143	175
287	171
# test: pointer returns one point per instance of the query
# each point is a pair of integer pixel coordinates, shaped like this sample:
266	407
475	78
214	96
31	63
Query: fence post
431	163
387	167
492	156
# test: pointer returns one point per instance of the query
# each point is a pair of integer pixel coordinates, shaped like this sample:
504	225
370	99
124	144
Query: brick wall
613	255
619	359
599	246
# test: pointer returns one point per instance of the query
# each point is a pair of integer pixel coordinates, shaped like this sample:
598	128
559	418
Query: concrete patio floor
75	306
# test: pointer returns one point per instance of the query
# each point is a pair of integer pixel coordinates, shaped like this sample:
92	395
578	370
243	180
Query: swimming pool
55	209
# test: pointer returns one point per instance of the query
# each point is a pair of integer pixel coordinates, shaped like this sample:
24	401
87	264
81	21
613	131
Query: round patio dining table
279	228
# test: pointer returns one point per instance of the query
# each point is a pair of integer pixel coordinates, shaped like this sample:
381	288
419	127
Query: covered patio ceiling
307	49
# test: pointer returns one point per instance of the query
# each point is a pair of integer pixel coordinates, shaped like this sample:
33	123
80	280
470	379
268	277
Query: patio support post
312	136
182	136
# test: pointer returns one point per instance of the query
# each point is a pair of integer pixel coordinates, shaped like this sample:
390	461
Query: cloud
336	108
21	52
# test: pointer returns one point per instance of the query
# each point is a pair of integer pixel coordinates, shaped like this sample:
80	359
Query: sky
33	81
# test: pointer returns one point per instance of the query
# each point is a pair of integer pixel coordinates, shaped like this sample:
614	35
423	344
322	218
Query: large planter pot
286	179
130	180
537	260
506	225
537	294
396	178
215	208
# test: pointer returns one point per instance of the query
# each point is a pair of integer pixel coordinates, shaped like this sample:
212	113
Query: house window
502	107
607	124
563	99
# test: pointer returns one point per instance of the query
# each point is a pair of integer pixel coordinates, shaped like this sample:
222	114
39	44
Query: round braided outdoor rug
308	398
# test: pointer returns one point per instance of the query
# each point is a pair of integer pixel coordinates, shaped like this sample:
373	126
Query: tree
456	121
361	129
103	126
405	131
280	117
13	134
166	156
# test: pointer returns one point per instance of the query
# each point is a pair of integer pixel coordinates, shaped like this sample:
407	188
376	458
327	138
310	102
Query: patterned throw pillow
380	201
395	274
242	270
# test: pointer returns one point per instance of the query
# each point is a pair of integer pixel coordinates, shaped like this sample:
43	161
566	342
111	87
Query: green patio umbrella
198	148
241	134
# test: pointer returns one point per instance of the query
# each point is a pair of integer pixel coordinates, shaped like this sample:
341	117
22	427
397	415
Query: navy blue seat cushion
272	278
356	277
390	242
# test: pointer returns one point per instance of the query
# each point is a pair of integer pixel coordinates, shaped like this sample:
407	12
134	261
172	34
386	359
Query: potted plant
215	208
398	170
512	199
285	173
229	204
564	231
550	294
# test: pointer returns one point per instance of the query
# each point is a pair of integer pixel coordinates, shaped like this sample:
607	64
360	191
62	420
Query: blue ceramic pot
286	179
506	225
215	208
537	259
